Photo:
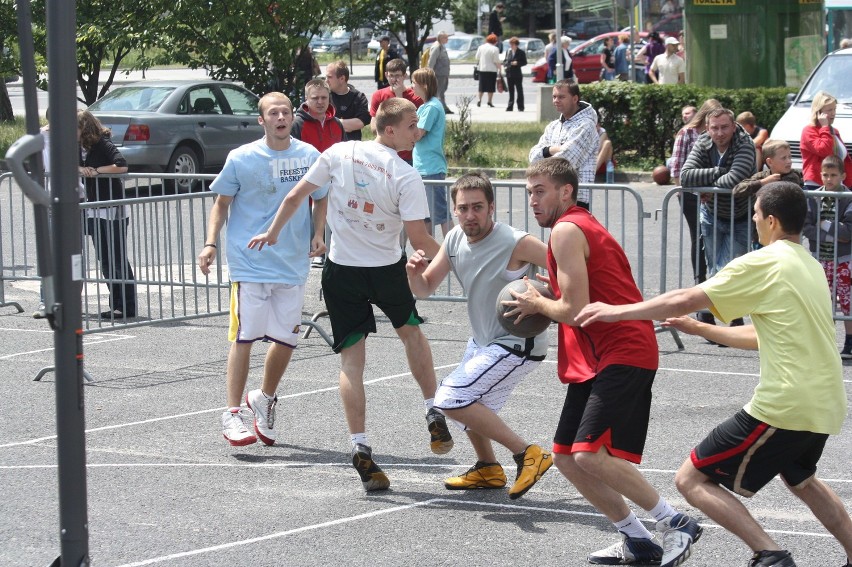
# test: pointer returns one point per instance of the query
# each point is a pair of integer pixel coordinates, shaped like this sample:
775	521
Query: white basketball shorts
266	311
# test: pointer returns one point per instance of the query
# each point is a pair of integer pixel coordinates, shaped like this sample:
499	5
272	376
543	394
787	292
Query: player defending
485	256
374	194
609	370
268	287
800	399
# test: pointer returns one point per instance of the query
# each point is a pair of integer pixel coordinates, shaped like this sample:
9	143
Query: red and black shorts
743	454
611	410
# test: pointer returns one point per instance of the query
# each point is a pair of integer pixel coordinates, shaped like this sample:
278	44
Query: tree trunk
6	114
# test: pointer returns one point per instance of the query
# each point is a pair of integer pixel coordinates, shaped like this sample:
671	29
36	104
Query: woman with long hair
488	60
107	225
820	139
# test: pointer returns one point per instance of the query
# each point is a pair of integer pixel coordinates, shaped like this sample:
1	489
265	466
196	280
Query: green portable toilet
752	43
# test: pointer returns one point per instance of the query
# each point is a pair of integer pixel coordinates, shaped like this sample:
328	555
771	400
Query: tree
527	14
8	62
252	41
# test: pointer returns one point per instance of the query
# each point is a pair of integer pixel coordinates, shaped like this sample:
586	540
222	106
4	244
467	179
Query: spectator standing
107	225
607	61
485	256
306	66
799	400
573	136
495	24
650	51
439	61
551	45
567	63
622	62
820	140
514	62
396	73
385	55
758	134
609	370
350	104
315	122
373	195
488	60
721	157
267	287
828	228
429	159
668	68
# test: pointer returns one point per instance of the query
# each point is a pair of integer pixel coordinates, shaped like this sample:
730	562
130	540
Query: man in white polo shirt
668	68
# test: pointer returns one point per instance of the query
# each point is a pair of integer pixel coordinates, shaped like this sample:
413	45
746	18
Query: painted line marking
90	341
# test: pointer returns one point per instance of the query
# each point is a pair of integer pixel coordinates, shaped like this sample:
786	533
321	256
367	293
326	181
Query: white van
834	76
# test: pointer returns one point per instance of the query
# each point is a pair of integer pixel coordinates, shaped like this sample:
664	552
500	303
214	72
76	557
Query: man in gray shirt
439	61
485	255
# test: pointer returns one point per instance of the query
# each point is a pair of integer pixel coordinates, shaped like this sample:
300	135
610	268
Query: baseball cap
672	41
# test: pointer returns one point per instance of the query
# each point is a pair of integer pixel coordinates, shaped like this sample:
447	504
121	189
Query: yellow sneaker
480	475
532	464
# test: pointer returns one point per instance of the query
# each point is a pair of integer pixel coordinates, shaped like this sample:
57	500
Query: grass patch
10	132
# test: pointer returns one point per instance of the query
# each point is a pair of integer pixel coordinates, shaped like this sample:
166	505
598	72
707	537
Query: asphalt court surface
164	488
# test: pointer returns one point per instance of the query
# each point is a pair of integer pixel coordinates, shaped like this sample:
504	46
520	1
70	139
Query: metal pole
560	72
70	409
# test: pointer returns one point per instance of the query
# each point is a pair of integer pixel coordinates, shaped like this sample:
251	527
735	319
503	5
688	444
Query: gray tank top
481	269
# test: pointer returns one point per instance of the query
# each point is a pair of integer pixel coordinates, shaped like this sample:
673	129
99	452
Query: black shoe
491	105
479	103
706	317
441	441
520	109
737	322
845	354
116	314
509	109
772	559
371	475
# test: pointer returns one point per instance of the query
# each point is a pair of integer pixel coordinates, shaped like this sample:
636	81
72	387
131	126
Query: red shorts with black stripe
743	454
611	410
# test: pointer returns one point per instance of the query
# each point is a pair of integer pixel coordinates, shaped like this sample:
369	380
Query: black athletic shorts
611	410
743	454
351	291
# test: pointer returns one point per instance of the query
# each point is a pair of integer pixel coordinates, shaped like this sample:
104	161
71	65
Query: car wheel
183	160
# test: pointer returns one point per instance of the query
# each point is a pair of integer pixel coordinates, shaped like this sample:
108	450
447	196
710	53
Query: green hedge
645	118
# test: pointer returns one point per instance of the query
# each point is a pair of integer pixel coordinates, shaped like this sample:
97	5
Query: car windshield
336	34
133	98
458	43
832	77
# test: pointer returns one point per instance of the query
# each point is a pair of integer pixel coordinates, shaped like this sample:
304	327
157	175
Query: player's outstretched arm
742	337
420	237
285	212
672	304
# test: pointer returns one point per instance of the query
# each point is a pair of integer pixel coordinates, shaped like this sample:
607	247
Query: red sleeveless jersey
584	352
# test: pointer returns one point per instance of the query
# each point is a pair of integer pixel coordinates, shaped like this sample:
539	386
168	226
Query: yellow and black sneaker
480	475
532	464
441	441
371	475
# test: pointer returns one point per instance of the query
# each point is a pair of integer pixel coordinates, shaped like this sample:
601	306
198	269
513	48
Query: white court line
180	415
454	502
94	340
279	534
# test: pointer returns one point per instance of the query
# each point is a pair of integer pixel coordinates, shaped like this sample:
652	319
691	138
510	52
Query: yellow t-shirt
784	291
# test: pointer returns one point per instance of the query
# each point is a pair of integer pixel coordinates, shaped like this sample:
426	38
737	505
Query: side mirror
790	98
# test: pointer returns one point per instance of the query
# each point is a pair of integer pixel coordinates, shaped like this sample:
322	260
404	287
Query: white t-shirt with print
372	191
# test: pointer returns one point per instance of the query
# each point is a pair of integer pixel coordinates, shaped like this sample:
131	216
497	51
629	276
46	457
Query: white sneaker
234	428
264	415
677	533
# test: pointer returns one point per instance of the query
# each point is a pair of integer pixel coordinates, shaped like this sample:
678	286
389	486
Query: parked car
832	76
532	46
339	42
463	46
178	126
585	29
373	45
585	57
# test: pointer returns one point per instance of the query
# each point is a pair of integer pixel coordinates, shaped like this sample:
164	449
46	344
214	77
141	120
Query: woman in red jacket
820	140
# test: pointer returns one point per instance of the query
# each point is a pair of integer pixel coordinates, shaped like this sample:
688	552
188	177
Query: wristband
210	245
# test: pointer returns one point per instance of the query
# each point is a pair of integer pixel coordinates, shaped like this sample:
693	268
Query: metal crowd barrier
678	249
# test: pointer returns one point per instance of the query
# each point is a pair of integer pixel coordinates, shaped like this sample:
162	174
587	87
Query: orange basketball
662	175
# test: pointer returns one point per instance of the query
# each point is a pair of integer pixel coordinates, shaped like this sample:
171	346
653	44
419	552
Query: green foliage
460	138
10	131
643	119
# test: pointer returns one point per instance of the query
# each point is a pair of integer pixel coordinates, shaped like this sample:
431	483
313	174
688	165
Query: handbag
476	72
501	85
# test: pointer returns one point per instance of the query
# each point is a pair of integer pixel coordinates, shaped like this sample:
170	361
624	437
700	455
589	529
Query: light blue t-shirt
429	150
258	178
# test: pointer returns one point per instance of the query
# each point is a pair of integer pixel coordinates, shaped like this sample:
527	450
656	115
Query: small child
779	167
828	227
758	134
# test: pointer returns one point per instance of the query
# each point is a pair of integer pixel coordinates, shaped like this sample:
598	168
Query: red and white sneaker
264	415
234	428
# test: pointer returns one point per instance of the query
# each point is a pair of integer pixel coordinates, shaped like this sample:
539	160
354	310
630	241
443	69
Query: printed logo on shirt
290	169
352	203
368	207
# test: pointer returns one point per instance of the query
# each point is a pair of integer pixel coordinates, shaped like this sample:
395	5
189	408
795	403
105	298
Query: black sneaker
371	475
845	354
772	559
441	441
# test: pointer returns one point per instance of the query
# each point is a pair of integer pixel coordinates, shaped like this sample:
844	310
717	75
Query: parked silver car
178	126
463	46
532	46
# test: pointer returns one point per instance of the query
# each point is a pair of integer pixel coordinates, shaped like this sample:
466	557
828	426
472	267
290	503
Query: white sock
632	527
359	438
662	510
430	403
